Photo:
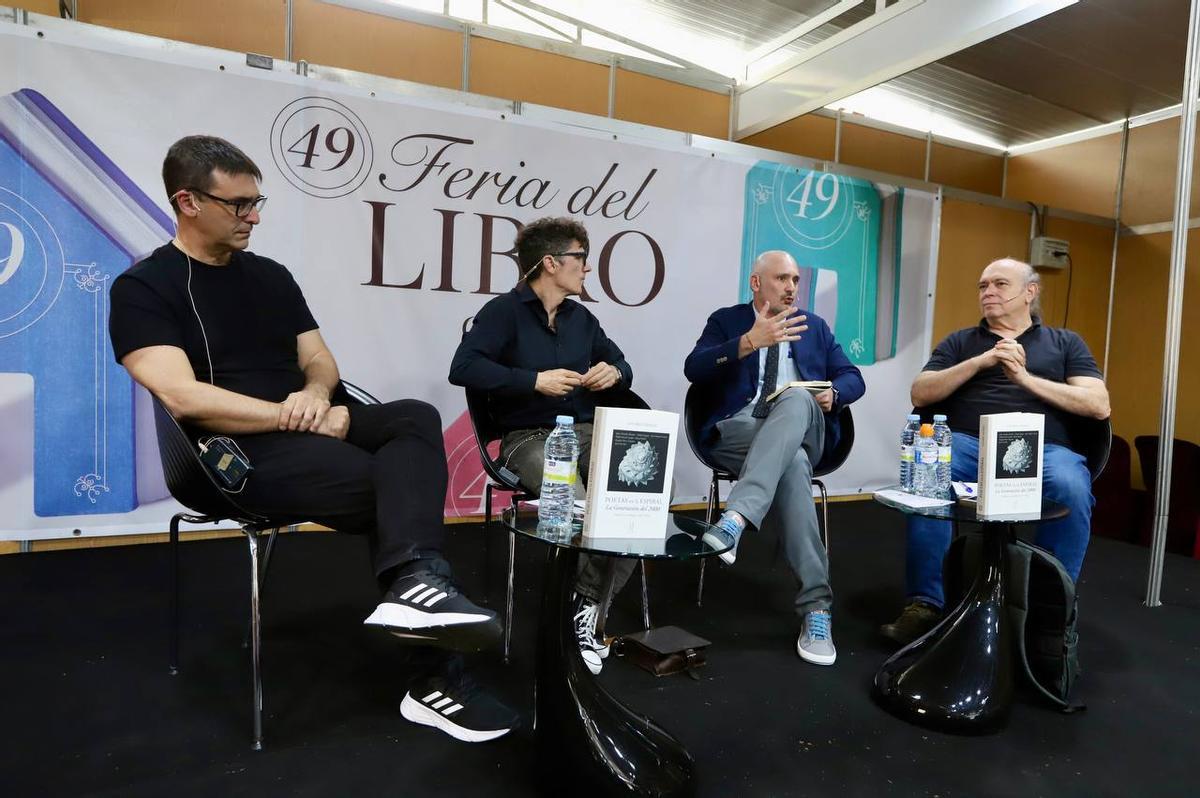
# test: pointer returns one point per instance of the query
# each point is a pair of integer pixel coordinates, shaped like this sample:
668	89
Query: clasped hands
560	382
308	410
1010	356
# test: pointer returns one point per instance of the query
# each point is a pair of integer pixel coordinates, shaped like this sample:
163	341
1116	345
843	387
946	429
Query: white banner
396	217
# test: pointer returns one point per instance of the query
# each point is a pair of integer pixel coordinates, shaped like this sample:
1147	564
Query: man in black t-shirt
1009	363
224	339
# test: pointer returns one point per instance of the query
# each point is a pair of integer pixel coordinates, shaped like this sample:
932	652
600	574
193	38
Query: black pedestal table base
588	742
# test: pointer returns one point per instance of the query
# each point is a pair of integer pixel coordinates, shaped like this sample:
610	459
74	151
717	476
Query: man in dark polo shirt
539	355
1009	363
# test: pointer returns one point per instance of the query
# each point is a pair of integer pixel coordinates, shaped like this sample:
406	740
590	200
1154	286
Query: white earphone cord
200	321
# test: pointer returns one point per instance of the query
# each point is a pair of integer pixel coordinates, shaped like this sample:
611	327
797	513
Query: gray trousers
523	452
774	459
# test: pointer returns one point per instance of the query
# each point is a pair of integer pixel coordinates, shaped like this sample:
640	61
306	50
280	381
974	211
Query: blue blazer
727	383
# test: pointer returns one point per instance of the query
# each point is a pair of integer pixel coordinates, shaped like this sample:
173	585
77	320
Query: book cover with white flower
633	456
1010	465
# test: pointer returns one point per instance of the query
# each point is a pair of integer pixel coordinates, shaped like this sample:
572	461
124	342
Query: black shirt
1050	352
511	341
252	311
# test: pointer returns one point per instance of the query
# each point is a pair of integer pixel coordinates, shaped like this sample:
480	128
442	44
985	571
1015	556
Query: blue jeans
1065	479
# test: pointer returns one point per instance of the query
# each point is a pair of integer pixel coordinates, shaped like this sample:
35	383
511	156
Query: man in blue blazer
745	352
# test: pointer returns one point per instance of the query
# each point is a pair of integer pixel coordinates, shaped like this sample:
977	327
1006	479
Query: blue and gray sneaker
815	643
730	525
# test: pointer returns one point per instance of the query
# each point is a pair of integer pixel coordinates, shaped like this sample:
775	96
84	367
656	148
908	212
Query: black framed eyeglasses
241	207
582	254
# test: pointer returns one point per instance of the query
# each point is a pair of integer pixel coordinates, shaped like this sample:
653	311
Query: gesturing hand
302	411
557	382
601	377
770	330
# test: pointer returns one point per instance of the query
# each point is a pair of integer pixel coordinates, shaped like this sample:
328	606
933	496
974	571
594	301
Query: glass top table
584	734
681	538
967	510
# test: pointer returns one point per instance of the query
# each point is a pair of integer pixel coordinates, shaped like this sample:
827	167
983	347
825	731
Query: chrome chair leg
645	598
255	638
262	573
710	517
824	514
173	664
487	538
508	606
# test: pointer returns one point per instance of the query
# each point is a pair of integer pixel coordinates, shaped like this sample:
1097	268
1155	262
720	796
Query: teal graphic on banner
70	221
845	235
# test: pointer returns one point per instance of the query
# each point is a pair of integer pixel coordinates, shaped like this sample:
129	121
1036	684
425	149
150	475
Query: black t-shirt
252	311
1050	352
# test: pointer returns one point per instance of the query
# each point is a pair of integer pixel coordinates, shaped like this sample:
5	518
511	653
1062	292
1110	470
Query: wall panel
349	39
811	136
1139	319
520	73
974	171
653	101
1086	312
249	26
1079	177
882	150
1150	174
47	7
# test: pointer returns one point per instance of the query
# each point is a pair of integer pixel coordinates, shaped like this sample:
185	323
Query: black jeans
387	479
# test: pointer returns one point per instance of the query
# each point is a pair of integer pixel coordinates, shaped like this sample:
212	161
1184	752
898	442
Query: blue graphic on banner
70	221
53	325
840	231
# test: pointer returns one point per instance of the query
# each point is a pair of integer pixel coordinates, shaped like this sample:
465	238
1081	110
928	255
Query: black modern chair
193	486
830	461
499	477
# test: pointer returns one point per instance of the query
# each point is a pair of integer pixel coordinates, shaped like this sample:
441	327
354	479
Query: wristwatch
835	395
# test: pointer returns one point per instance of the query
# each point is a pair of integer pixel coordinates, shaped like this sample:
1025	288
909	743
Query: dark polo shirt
511	341
1050	352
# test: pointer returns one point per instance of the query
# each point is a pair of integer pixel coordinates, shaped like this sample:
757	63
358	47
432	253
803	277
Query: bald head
774	278
774	257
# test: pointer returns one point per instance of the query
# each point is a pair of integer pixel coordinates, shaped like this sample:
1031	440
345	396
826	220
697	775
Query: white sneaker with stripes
426	608
459	708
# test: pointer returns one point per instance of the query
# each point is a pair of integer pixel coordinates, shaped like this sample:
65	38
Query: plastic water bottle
942	436
557	499
925	463
908	437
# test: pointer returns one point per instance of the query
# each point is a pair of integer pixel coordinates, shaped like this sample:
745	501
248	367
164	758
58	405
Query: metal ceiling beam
889	43
809	25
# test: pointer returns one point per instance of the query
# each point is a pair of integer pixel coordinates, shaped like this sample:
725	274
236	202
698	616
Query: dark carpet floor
89	709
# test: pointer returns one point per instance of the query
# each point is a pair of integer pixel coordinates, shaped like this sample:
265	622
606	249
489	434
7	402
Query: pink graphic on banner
464	494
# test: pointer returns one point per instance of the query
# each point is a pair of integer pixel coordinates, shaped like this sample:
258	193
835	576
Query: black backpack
1041	601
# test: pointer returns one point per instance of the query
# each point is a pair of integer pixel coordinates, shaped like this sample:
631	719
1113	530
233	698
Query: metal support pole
1183	184
288	40
466	54
1112	272
612	86
733	109
928	153
837	137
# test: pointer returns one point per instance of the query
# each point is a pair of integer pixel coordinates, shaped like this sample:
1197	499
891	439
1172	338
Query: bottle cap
939	417
927	430
913	417
566	421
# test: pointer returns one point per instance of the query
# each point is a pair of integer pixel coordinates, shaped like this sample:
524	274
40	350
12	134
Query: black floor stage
90	710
